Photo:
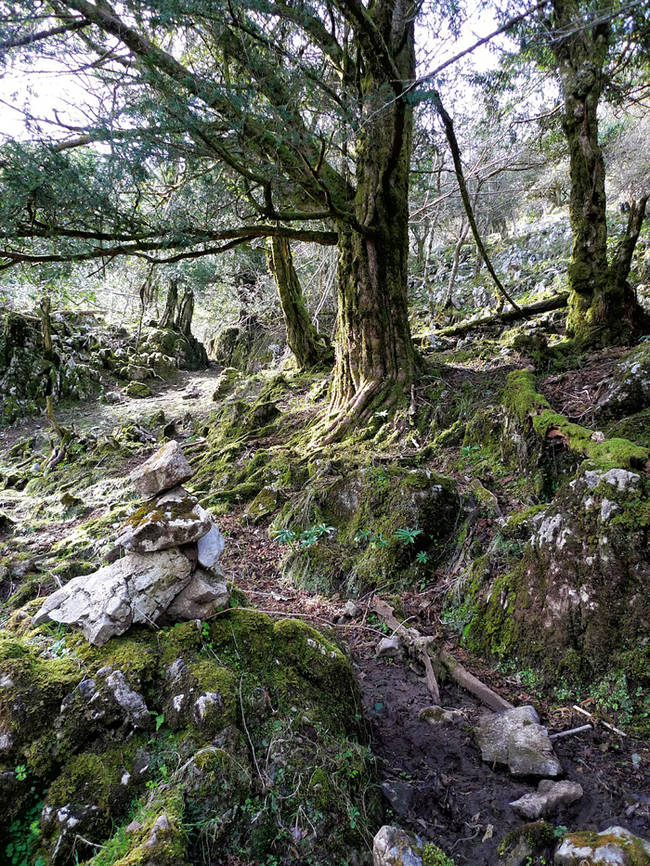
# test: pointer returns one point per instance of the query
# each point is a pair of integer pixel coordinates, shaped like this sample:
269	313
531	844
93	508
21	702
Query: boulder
393	846
134	589
516	738
170	520
615	846
203	596
167	468
548	797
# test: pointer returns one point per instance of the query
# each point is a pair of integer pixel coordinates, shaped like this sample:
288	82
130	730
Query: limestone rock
134	589
440	716
389	647
516	738
393	846
548	797
203	596
165	469
212	544
615	846
138	390
168	521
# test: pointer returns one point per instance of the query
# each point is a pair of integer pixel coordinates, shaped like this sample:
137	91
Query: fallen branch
473	685
556	302
579	730
422	647
599	721
418	645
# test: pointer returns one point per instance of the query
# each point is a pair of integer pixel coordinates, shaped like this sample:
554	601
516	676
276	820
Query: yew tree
598	47
305	104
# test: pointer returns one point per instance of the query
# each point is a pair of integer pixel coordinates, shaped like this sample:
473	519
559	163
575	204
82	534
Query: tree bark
602	307
186	314
309	347
374	352
169	315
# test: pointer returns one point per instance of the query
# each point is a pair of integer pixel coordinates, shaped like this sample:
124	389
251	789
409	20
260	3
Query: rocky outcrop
573	595
155	579
615	846
516	738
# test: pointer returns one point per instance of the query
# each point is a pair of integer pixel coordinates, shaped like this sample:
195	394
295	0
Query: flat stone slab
614	846
547	799
516	738
170	520
134	589
203	596
211	545
165	469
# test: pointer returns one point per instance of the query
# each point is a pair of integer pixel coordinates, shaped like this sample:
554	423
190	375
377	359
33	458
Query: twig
600	721
580	730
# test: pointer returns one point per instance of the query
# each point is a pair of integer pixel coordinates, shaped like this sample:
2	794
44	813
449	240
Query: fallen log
422	647
556	302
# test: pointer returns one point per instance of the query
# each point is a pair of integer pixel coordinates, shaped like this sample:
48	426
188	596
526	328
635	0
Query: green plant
23	836
422	557
434	856
21	772
314	533
407	535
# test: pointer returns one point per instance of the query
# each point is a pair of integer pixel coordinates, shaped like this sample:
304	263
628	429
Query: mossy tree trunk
374	352
602	305
309	347
169	313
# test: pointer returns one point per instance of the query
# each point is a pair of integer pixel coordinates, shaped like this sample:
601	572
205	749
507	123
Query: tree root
422	648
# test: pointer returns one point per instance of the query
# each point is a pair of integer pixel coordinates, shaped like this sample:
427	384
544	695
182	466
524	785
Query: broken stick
422	647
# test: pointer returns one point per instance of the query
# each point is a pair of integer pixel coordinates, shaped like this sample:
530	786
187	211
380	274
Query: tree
309	347
602	305
305	104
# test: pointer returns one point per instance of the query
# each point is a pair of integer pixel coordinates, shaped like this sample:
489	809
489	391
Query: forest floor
433	778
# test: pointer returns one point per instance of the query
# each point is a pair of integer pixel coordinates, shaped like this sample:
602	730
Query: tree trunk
186	314
602	307
309	347
169	315
374	353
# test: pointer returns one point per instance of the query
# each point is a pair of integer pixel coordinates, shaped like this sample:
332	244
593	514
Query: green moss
537	836
530	408
434	856
635	852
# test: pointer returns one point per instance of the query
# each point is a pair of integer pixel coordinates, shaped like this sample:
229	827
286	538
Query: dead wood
557	302
423	649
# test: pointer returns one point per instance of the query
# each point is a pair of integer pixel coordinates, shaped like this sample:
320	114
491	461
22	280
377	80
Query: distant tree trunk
374	353
602	307
169	315
309	347
52	363
185	314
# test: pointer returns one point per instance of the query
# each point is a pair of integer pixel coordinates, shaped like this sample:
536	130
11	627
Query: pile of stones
164	566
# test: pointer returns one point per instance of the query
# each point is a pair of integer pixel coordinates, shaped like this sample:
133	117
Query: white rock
548	797
203	596
389	647
170	520
212	544
516	738
134	589
165	469
614	846
393	846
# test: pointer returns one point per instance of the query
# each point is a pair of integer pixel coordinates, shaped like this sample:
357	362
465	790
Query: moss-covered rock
574	599
184	744
367	526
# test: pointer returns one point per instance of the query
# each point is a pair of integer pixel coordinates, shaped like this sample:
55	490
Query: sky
47	90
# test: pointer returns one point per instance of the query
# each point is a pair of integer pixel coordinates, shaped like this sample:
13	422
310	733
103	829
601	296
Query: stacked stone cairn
164	566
